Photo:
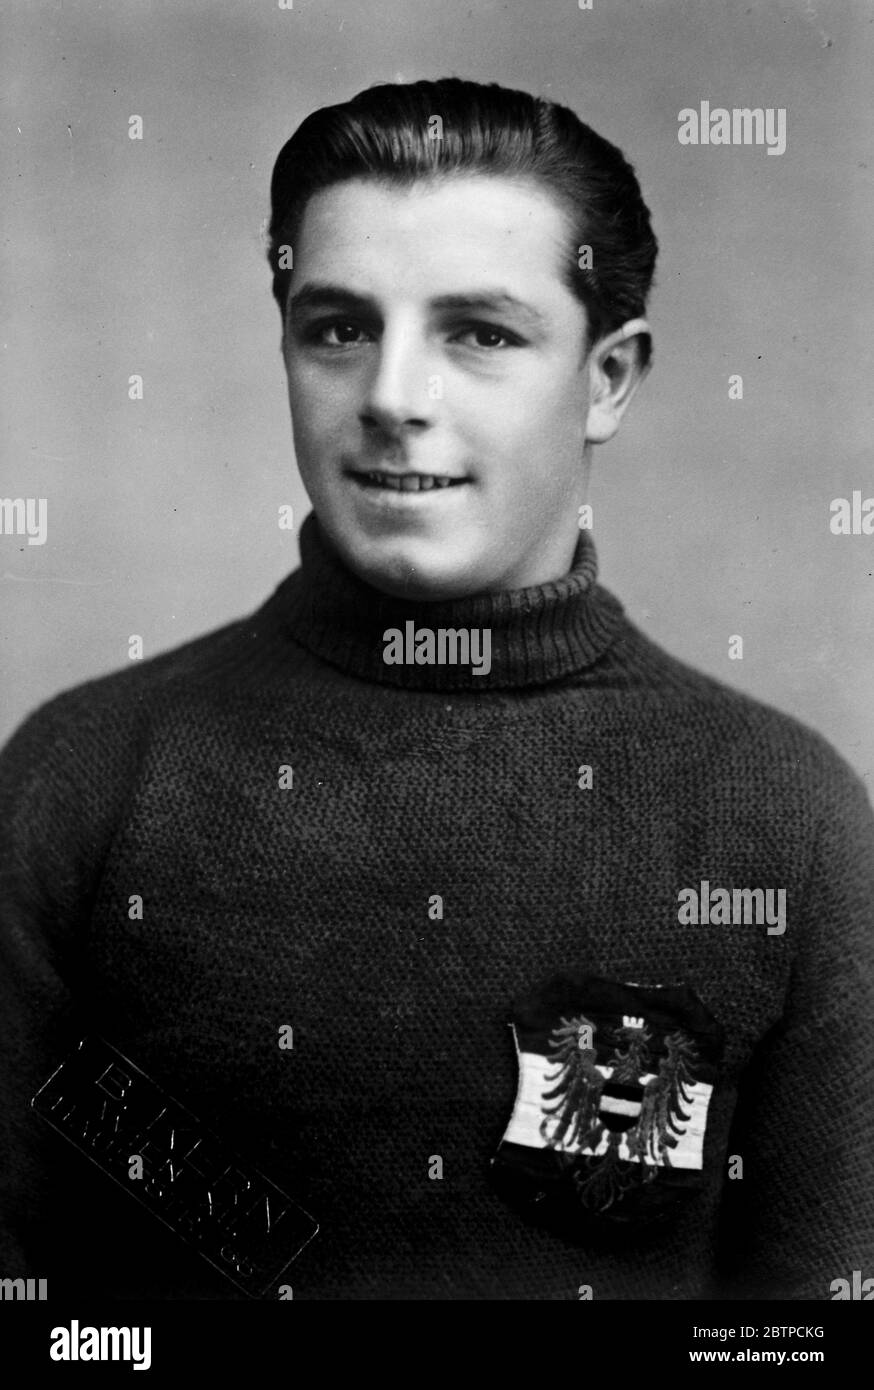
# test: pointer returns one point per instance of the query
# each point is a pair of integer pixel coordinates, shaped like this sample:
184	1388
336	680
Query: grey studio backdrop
124	257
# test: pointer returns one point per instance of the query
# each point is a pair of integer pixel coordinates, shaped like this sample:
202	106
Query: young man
304	872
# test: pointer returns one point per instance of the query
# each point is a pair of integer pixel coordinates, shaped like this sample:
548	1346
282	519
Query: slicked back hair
387	132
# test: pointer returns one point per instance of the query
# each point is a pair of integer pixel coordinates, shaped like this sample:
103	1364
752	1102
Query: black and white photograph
437	707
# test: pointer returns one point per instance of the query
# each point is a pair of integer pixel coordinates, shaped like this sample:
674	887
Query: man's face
429	336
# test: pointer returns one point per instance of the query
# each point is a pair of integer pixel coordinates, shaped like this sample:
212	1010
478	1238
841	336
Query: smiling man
406	932
441	391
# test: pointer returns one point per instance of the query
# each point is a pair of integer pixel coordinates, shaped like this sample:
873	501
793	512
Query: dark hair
384	133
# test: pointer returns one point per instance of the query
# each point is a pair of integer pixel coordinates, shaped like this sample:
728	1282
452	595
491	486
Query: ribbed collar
538	635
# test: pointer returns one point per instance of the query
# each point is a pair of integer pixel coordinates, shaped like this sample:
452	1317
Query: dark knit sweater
308	905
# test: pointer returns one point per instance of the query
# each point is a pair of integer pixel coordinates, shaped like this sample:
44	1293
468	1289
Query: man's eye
486	335
337	333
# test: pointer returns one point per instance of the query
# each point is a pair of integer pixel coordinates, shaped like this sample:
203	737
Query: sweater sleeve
53	799
803	1213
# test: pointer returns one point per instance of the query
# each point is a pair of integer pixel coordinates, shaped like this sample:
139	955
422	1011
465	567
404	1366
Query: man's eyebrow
318	295
490	302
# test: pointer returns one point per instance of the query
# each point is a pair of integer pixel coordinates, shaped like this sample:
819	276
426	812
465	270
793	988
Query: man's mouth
406	482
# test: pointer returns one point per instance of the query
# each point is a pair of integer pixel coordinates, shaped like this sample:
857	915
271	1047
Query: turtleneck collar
539	634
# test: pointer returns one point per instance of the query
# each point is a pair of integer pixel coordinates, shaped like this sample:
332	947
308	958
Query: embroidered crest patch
615	1082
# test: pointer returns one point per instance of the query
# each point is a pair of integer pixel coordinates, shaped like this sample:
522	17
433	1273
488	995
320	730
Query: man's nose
400	391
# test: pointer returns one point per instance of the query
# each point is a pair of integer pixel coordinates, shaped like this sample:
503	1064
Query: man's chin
412	568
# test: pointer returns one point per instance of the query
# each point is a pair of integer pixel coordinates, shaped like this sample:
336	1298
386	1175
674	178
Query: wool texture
307	905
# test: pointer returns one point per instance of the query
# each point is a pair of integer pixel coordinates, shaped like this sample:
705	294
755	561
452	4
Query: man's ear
617	365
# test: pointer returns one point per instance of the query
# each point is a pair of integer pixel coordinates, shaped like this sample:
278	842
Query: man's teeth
408	482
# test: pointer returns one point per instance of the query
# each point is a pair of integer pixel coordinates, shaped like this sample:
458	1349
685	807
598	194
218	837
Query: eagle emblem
614	1088
623	1105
